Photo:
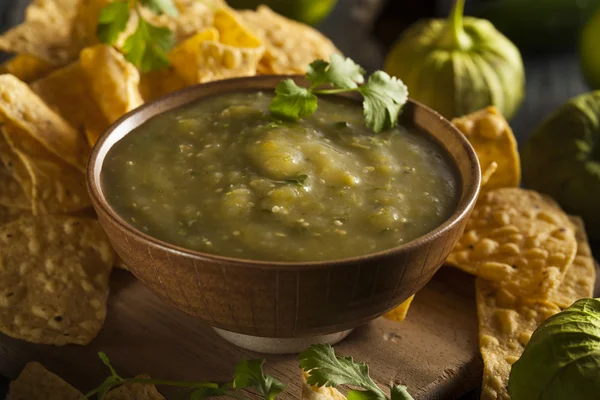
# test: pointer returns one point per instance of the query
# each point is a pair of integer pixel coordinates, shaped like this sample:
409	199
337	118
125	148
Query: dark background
365	29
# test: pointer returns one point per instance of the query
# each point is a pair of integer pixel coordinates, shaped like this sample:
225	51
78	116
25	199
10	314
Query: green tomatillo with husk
459	65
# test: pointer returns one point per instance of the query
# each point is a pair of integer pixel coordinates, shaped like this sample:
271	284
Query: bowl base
279	345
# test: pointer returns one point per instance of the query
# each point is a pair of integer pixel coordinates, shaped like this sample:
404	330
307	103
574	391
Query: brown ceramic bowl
283	299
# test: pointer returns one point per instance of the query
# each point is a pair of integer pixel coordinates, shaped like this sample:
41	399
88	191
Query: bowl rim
99	152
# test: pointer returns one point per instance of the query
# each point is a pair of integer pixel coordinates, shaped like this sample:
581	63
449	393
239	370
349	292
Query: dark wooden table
551	79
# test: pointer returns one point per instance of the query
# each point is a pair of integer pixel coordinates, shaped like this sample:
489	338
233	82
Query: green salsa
223	176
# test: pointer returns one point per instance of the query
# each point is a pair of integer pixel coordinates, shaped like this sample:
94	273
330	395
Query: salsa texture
223	176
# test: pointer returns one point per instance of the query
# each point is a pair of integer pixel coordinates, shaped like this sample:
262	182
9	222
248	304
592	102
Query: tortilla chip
158	83
54	279
519	238
319	393
184	56
232	31
290	46
22	108
119	263
9	214
194	16
494	142
85	23
135	391
506	323
27	68
12	192
398	314
68	92
45	33
580	278
57	187
37	383
113	80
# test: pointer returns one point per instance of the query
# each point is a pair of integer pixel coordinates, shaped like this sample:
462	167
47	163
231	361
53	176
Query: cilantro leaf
316	72
249	374
112	21
340	72
400	393
147	48
161	6
292	101
384	97
324	368
344	73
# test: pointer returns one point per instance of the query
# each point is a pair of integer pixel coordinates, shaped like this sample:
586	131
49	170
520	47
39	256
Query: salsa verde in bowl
280	229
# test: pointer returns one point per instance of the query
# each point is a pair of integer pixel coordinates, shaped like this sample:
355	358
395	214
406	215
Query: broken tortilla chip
398	314
45	33
27	68
37	383
580	278
113	80
289	45
135	391
319	393
83	30
518	238
506	323
494	142
22	109
54	279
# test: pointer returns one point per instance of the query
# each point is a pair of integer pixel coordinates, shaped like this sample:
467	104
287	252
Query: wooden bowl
283	299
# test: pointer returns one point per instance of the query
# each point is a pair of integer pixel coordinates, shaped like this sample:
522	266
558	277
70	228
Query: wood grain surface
434	352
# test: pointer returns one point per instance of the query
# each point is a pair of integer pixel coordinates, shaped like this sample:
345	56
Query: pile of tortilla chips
531	259
61	90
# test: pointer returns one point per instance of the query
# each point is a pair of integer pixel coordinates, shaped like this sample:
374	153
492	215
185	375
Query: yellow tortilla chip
518	238
68	93
290	46
27	68
506	323
135	391
45	33
184	56
158	83
22	108
580	278
494	142
319	393
398	314
54	279
232	31
113	80
37	383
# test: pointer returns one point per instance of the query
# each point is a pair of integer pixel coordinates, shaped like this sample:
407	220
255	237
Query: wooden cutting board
434	352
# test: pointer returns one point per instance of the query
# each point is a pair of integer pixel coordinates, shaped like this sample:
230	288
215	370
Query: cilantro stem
160	382
334	91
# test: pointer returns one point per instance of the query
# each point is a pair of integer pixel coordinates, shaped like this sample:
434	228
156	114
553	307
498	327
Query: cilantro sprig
383	95
321	364
148	46
249	376
324	368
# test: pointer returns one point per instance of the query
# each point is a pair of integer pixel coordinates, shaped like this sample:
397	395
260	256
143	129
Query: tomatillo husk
562	158
459	65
